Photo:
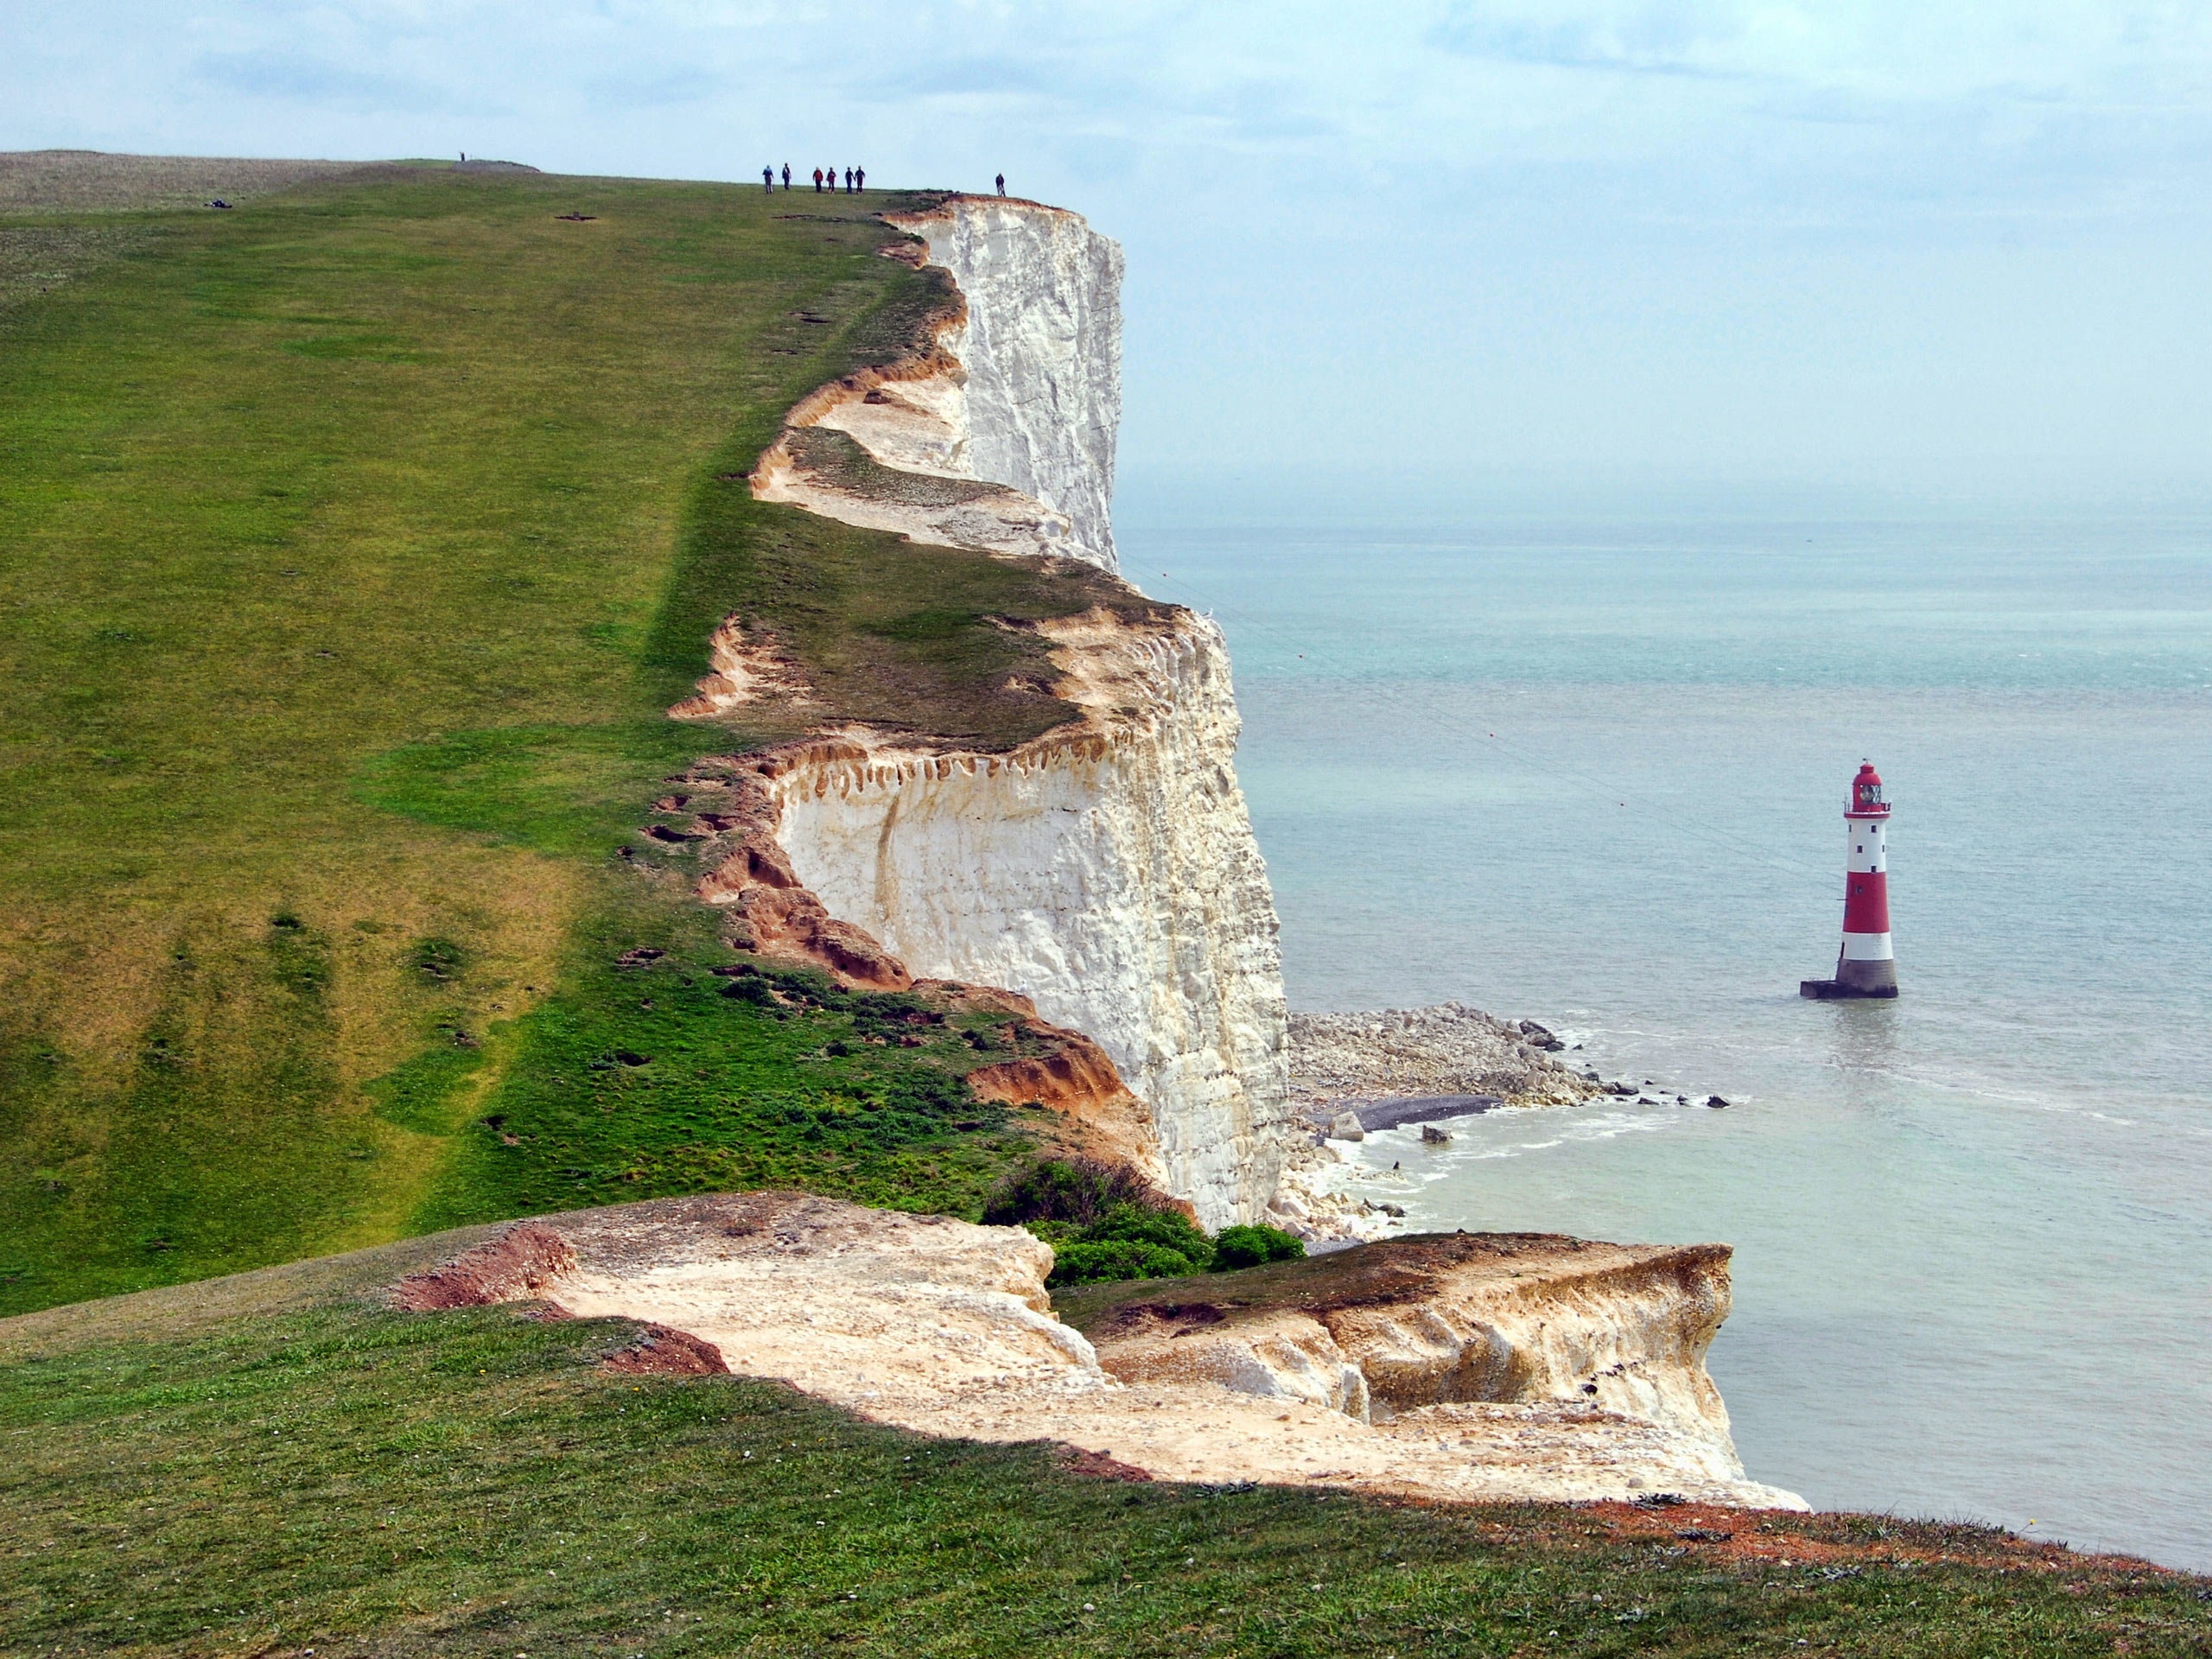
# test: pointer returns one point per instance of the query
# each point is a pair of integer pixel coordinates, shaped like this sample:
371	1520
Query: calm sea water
1591	770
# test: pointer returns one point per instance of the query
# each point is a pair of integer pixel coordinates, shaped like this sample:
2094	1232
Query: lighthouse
1866	966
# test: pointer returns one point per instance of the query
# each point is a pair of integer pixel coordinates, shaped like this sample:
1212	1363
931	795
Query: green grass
352	544
282	1468
640	1081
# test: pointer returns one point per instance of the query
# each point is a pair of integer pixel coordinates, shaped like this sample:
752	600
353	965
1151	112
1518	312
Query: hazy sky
1582	241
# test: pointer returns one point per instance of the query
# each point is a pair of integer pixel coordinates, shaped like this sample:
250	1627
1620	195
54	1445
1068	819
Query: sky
1569	246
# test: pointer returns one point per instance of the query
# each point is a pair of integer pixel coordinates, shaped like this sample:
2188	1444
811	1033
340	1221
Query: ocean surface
1589	767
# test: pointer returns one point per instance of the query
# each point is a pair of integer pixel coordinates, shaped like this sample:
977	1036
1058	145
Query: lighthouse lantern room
1867	965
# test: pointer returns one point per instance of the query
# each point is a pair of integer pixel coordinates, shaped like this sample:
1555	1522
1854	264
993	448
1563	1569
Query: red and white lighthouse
1867	965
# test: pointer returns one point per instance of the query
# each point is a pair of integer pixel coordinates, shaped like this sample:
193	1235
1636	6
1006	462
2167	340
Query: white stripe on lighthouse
1870	852
1870	846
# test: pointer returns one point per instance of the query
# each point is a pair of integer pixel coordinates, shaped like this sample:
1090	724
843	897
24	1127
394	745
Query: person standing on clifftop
1001	184
787	176
768	180
817	181
860	178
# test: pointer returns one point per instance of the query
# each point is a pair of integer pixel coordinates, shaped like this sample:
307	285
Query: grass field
274	1465
351	545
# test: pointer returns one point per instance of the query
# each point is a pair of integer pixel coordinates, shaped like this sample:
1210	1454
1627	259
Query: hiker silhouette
860	178
787	176
817	181
1001	184
768	180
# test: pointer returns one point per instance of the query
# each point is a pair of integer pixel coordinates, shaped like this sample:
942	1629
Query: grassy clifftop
352	544
279	1463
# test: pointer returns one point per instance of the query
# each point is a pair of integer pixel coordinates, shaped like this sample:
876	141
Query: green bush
1105	1222
1166	1229
1080	1190
1252	1247
1113	1258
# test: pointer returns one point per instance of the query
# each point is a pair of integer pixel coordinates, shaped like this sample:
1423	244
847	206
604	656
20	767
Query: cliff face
1108	874
1107	870
1040	349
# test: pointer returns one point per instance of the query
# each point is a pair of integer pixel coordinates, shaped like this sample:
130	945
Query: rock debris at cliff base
1448	1049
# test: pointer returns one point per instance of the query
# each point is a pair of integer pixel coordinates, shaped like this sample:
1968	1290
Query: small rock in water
1715	1101
1434	1135
1344	1126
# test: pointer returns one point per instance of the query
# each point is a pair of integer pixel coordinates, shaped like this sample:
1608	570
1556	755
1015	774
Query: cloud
1646	39
303	77
648	89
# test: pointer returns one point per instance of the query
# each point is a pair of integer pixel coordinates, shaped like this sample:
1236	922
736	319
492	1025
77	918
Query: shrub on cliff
1105	1222
1166	1229
1252	1247
1082	1191
1130	1242
1117	1259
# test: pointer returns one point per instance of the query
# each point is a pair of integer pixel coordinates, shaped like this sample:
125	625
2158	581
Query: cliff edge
1105	870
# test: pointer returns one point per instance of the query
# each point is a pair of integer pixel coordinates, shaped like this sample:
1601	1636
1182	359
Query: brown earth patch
1099	1466
663	1351
523	1259
1077	1081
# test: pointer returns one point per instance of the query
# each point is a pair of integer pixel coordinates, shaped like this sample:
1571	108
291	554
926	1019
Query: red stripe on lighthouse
1866	902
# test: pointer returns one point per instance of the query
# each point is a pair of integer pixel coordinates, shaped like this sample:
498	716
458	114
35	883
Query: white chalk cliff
1106	870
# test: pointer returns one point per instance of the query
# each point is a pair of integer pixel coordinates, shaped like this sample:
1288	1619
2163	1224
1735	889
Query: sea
1585	762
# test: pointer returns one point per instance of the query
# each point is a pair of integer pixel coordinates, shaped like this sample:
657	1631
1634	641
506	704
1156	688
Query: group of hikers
855	179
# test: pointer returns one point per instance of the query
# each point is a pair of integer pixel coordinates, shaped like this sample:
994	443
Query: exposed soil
521	1260
945	1327
1099	1466
662	1351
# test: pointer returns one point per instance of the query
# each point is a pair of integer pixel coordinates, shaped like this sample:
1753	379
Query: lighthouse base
1854	978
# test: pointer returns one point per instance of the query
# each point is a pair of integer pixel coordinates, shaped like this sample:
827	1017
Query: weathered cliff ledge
1461	1366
